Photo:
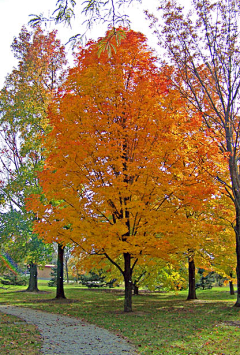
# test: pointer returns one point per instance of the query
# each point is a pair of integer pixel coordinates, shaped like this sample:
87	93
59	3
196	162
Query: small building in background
44	272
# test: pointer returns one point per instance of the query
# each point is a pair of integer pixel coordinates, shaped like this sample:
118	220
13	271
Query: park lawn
18	337
161	323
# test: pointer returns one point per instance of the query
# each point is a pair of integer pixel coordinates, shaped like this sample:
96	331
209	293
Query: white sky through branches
15	13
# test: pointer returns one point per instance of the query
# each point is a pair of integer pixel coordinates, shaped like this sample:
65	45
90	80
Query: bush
92	280
15	280
205	282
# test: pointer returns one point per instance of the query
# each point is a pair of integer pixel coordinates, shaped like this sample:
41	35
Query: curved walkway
70	336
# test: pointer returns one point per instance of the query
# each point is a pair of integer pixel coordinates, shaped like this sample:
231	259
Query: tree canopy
23	103
124	157
203	47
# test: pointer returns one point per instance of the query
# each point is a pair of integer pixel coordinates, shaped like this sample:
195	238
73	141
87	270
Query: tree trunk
60	266
128	283
231	288
191	277
66	269
237	233
135	289
32	286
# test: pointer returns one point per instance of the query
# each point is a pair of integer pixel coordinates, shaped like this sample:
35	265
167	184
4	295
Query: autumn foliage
125	160
24	100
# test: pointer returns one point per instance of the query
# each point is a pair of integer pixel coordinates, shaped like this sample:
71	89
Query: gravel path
70	336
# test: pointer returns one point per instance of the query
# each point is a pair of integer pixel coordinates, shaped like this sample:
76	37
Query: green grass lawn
17	337
161	323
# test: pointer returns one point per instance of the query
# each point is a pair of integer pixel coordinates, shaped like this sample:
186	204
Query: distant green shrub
15	280
53	280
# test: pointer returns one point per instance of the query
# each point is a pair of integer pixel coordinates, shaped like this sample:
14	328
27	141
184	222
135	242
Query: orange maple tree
124	157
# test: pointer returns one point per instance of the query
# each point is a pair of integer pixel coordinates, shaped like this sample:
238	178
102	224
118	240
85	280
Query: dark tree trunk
191	277
60	267
231	288
135	289
237	233
128	283
32	286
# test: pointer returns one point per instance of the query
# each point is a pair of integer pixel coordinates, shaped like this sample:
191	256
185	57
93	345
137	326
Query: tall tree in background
204	48
23	120
124	157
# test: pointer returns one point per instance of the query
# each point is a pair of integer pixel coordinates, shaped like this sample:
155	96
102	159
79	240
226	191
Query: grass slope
161	323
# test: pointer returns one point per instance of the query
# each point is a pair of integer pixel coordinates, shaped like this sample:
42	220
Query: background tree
23	103
67	256
22	245
204	48
124	159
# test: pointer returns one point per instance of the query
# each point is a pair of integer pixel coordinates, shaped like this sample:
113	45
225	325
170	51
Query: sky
15	13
